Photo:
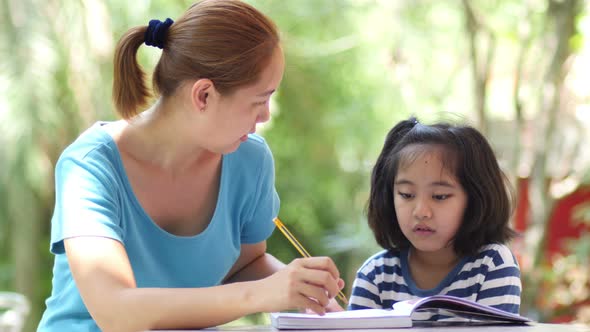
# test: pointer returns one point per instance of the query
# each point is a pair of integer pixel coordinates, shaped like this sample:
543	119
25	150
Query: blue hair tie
155	35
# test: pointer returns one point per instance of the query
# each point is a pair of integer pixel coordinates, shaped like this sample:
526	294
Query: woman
161	218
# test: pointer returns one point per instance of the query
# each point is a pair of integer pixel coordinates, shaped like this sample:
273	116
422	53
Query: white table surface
532	327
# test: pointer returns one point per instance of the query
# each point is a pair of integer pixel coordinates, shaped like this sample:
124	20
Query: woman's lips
245	137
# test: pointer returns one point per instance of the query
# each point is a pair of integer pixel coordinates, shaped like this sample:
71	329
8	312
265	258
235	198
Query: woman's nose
264	115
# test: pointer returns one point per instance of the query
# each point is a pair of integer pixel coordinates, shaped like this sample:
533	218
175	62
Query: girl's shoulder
381	260
494	254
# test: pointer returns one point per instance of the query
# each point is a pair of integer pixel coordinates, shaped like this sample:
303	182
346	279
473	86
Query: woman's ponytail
130	91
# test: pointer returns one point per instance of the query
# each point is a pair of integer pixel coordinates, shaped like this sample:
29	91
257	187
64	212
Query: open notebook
444	307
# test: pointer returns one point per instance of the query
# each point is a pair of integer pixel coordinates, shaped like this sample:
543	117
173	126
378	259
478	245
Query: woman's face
237	114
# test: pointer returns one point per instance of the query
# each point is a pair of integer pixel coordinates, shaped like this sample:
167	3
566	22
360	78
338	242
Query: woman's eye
260	103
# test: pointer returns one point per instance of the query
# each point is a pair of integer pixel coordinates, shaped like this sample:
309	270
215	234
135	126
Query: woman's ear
201	91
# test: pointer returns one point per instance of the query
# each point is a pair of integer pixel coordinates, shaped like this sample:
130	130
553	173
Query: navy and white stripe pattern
491	277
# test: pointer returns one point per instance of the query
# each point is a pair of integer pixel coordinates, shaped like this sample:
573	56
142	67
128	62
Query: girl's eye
405	195
261	103
441	197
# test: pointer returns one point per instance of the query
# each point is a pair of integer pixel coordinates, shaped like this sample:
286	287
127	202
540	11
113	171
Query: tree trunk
481	64
561	15
25	239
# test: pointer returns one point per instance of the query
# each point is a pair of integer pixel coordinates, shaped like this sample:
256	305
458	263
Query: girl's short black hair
489	196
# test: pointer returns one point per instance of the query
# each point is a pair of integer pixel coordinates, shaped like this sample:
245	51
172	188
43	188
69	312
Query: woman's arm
105	279
254	263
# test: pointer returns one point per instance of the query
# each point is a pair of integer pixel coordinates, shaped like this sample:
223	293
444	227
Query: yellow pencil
301	250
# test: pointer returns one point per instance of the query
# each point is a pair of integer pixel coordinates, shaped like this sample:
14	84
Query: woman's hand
304	284
333	306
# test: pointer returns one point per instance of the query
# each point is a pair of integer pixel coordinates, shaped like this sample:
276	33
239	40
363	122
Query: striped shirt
491	277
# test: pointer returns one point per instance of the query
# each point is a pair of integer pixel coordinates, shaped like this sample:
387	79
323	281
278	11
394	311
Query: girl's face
236	115
429	201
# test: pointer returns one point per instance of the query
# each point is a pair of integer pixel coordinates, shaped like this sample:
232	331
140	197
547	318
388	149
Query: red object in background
522	204
561	226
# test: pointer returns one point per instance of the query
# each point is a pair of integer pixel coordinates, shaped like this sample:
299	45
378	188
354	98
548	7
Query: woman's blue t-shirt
94	198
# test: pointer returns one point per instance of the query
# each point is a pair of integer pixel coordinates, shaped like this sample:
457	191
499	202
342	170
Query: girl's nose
422	210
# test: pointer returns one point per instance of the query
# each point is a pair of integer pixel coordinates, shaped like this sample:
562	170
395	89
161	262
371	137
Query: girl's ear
201	92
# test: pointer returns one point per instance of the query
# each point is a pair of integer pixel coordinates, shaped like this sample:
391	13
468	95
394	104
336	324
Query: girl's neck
429	269
445	258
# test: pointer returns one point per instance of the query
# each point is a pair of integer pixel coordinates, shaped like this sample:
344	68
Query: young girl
161	218
439	206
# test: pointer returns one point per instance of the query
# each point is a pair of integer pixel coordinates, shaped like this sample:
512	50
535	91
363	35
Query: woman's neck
159	137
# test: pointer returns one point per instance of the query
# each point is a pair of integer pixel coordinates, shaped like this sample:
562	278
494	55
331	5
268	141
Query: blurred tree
58	75
324	126
550	26
354	68
56	68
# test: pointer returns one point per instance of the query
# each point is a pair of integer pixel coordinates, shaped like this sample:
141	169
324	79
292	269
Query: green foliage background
354	68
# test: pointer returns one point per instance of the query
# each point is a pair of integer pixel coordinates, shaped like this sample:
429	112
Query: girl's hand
304	284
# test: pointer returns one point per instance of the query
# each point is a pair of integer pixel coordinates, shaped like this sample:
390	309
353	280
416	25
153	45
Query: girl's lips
423	230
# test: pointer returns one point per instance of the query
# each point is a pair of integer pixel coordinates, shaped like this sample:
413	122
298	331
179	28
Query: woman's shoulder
252	154
94	145
255	144
89	140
